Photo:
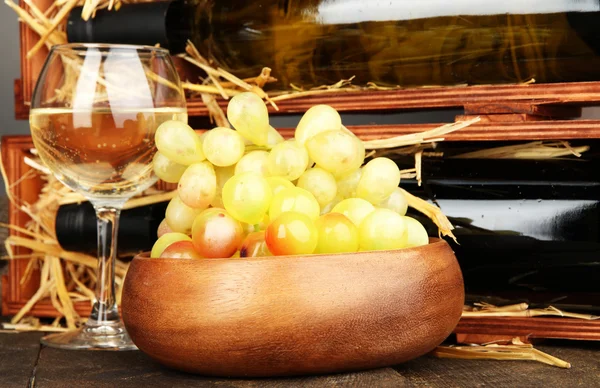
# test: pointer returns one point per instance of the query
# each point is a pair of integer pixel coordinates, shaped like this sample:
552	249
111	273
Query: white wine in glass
94	114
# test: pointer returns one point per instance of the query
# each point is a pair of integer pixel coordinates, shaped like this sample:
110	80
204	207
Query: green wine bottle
391	43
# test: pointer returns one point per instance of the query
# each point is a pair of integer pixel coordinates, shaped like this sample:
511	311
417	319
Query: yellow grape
355	209
163	228
319	118
337	234
198	185
383	229
329	207
180	216
294	200
215	234
262	225
254	245
223	146
254	161
249	116
166	169
348	183
274	138
417	234
319	183
380	177
278	183
291	233
177	141
338	152
247	197
181	250
164	241
202	136
223	174
396	202
288	160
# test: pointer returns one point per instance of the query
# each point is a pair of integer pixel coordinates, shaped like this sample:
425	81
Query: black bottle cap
137	24
76	228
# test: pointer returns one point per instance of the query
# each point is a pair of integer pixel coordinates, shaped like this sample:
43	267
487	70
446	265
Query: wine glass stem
105	309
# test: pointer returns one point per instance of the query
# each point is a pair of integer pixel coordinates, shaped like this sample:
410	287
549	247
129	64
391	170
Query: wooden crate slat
554	328
13	151
439	97
486	131
30	68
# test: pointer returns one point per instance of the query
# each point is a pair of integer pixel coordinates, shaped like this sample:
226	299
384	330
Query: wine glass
94	113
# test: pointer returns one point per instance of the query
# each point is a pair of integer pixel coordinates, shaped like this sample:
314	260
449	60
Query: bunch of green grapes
248	192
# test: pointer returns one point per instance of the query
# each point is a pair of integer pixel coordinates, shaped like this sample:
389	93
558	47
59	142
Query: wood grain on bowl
285	316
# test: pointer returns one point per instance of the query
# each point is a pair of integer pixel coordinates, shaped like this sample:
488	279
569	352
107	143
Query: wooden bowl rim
434	243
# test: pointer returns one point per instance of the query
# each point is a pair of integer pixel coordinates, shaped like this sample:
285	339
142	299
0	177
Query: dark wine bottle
527	230
76	228
395	42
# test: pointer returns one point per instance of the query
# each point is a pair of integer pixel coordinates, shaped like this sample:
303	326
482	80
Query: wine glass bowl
94	114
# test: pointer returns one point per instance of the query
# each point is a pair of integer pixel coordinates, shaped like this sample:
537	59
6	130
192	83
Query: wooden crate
15	294
508	112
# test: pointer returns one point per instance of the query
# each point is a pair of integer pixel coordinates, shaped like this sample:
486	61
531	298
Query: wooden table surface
24	363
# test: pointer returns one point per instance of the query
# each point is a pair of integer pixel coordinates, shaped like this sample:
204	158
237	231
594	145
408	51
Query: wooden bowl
286	316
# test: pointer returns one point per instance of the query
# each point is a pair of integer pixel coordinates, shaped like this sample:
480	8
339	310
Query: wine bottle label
336	12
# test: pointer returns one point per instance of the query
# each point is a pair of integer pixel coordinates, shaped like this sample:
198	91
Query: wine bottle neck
166	23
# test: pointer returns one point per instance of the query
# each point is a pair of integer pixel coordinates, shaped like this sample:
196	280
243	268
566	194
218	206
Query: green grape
417	235
223	146
338	152
383	229
396	202
248	114
247	197
178	142
223	174
215	234
288	160
355	209
380	177
254	161
348	183
319	118
294	200
319	183
337	234
291	233
274	138
166	169
198	185
164	241
180	216
278	183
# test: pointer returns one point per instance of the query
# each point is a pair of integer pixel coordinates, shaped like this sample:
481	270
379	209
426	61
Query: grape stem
433	212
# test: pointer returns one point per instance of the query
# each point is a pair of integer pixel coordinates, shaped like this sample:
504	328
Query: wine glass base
102	337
